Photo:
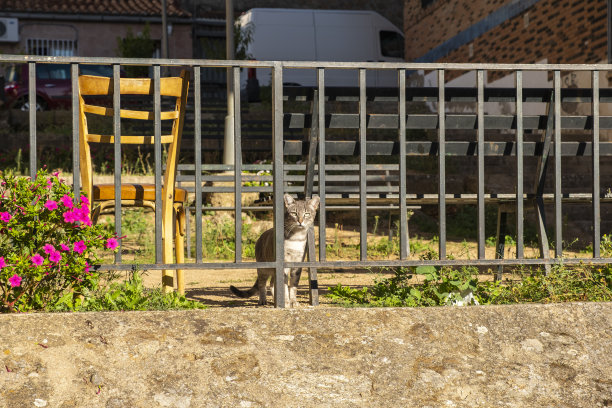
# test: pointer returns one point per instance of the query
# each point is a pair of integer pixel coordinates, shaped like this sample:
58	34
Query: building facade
89	28
507	31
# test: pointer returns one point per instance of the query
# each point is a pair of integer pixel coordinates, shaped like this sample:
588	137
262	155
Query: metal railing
437	95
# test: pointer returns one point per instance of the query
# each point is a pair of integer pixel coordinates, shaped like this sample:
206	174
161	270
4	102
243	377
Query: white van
322	35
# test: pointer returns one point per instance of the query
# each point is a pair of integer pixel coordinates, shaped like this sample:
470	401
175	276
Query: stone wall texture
567	31
508	356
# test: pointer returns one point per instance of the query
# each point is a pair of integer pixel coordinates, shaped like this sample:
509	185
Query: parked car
53	85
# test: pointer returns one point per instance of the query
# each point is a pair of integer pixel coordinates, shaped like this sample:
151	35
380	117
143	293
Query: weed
444	285
218	239
128	295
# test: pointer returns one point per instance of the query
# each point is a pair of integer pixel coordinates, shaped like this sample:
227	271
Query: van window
391	44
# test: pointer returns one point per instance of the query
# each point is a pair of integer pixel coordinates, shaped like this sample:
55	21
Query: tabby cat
299	218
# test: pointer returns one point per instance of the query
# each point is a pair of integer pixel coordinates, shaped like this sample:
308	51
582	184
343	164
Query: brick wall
566	31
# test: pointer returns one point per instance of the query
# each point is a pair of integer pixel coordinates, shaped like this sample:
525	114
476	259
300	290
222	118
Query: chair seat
102	192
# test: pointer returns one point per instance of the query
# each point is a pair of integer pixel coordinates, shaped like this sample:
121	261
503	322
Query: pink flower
5	217
67	201
82	215
48	248
37	260
2	262
79	247
87	265
69	217
55	256
85	200
15	280
65	247
51	205
111	243
49	184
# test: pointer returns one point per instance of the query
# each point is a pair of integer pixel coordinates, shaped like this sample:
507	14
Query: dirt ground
211	287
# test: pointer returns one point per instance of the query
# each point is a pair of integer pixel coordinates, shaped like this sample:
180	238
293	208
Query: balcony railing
493	114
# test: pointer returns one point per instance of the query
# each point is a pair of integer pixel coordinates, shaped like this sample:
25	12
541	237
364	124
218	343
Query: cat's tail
244	293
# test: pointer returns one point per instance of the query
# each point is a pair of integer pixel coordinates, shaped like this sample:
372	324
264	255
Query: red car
53	85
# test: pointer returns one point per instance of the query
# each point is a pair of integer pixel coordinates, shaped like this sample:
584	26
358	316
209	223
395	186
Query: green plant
47	242
243	36
561	284
439	286
443	286
218	238
128	295
136	46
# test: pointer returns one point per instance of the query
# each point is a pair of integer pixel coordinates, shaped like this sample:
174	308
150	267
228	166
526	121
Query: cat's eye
294	213
306	214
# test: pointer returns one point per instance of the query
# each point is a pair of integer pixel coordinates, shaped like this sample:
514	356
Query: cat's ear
314	201
288	199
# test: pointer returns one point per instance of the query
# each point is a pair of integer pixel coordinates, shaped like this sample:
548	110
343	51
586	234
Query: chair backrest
103	86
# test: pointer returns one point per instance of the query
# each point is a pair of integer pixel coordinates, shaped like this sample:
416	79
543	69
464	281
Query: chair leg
179	247
168	257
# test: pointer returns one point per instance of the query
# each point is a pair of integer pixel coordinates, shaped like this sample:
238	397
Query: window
391	44
44	46
52	71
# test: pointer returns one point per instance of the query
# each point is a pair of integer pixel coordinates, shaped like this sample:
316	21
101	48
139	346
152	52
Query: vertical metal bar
520	252
237	166
403	232
558	212
76	172
32	115
117	152
279	206
158	160
198	162
441	165
322	214
481	155
363	214
596	181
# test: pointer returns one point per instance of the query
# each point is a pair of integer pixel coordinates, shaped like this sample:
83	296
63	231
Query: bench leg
543	237
313	282
502	218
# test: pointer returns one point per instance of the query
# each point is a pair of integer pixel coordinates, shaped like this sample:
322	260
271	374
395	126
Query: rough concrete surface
506	356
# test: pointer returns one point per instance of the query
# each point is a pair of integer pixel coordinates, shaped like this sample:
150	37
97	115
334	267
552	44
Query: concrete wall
510	356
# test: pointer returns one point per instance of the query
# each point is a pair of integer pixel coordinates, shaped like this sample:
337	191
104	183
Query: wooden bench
342	177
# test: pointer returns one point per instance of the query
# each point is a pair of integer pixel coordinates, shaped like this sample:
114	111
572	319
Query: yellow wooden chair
102	196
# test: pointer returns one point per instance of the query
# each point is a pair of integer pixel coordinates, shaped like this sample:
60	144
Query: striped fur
299	218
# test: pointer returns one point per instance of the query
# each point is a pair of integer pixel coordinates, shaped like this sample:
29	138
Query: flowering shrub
47	242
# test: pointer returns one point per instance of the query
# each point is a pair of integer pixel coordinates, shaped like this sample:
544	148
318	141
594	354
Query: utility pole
228	142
